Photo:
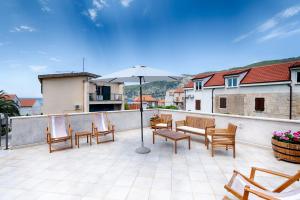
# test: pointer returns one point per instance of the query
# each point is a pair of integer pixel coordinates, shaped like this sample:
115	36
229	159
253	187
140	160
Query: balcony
112	97
114	171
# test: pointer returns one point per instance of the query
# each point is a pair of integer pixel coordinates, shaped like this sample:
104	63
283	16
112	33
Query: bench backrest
199	122
164	118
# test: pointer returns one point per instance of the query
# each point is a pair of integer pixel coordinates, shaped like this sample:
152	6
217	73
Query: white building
267	91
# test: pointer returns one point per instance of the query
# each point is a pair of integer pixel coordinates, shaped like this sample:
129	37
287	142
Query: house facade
266	91
77	92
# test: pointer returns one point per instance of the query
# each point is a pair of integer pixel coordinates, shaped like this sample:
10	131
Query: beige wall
60	95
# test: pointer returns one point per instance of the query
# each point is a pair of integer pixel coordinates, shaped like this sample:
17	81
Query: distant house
148	101
13	97
76	92
161	102
175	97
30	106
266	91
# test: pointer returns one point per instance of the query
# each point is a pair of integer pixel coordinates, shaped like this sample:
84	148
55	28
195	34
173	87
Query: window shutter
259	104
298	77
223	102
198	104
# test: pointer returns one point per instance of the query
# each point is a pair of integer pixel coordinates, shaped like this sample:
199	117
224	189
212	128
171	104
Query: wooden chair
101	126
57	132
221	138
163	122
245	188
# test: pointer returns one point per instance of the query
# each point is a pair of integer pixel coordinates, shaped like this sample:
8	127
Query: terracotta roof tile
190	84
218	78
10	96
269	73
146	98
27	102
179	90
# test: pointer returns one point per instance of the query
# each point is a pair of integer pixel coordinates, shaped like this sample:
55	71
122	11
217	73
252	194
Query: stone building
265	91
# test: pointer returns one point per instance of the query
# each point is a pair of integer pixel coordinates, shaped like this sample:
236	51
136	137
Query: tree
8	106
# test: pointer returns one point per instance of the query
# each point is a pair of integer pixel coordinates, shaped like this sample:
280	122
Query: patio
115	171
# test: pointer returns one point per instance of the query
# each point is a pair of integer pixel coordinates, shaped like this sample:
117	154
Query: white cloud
23	28
55	59
42	52
45	5
97	6
38	68
269	26
126	3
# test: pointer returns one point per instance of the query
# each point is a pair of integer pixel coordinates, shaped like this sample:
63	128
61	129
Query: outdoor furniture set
201	126
58	132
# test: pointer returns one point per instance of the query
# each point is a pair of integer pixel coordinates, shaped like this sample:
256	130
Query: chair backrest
57	126
164	118
199	122
101	122
231	128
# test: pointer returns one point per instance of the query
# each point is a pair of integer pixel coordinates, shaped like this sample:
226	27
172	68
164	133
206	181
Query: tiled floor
115	171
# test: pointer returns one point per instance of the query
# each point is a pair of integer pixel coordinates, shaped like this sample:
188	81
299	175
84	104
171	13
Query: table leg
78	141
75	139
175	147
87	138
153	137
90	139
189	142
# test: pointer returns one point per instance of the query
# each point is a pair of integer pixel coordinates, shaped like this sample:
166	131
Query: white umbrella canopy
139	74
133	74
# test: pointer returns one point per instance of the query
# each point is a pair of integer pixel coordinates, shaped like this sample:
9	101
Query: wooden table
172	135
86	134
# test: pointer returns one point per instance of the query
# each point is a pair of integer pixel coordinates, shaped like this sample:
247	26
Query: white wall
251	130
30	130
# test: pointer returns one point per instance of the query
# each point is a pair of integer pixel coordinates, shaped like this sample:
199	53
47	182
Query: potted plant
154	120
286	145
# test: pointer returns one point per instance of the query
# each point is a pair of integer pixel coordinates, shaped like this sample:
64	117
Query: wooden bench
195	125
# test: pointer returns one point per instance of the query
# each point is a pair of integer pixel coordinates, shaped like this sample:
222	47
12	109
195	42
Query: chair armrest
247	190
254	169
180	123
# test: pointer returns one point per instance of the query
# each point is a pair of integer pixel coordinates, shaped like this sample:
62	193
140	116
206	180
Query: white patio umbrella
139	74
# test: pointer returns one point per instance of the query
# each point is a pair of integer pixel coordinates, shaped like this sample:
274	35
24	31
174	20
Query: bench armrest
180	123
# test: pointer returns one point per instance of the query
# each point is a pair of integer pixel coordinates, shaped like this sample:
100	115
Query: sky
185	37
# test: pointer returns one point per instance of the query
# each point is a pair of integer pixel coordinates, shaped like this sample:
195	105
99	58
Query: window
232	82
222	102
198	104
259	104
198	85
298	77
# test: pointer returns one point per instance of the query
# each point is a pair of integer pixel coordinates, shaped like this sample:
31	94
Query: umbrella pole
142	149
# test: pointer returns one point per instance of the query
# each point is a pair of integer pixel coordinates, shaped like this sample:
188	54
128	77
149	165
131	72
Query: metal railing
113	97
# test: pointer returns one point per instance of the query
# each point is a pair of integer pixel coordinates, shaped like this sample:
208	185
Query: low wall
251	130
30	130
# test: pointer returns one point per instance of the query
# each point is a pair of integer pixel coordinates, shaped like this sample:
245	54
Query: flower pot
286	151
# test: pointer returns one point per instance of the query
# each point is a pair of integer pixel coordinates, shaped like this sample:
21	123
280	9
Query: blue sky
191	36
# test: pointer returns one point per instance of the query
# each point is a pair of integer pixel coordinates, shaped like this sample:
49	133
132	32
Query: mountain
158	89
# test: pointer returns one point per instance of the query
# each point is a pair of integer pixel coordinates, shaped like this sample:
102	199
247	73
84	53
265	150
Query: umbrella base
142	150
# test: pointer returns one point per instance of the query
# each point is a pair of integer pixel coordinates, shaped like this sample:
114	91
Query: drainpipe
291	99
212	100
184	99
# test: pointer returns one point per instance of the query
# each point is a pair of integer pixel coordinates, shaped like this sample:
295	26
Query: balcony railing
113	97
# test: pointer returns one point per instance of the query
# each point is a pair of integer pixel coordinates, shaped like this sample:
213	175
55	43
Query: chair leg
113	135
50	151
234	151
226	147
212	150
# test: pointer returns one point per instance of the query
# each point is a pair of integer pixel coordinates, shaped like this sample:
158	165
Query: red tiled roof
179	90
269	73
190	84
203	75
10	96
27	102
218	78
146	98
